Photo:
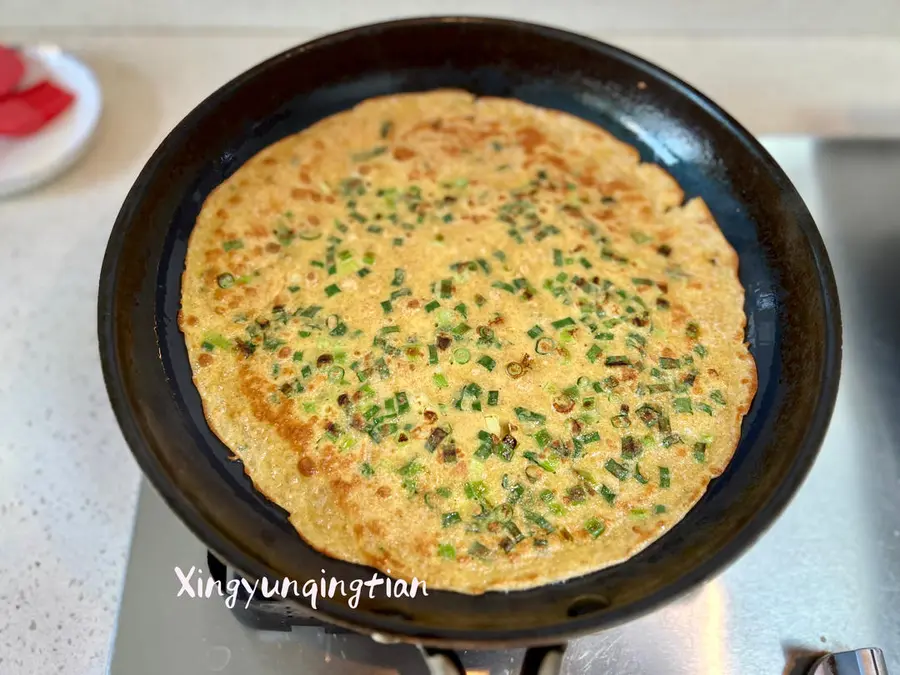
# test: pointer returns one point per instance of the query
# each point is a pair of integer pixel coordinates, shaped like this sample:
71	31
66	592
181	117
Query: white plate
28	162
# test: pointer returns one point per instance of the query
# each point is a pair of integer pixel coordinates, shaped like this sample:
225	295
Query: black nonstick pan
791	303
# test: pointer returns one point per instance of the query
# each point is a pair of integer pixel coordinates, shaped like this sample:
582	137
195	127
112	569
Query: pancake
467	340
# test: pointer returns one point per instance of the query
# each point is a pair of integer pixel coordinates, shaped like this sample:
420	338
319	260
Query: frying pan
791	304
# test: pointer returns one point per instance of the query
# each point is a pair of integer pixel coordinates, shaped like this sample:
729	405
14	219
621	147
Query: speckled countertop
67	481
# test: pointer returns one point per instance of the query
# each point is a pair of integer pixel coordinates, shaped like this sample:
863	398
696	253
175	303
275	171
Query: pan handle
537	661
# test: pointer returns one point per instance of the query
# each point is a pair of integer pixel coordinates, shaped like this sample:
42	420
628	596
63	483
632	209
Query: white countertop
67	481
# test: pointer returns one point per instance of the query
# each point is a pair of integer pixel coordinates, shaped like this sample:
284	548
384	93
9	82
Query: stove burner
280	615
266	614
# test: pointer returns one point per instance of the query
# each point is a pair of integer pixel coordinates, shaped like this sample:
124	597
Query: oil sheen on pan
467	340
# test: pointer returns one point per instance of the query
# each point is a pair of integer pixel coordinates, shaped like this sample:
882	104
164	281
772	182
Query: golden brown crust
455	180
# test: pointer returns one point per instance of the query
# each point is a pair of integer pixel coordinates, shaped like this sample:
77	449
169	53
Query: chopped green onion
487	362
700	452
435	438
399	277
462	328
544	345
595	527
451	518
608	495
534	331
592	437
446	288
557	257
225	280
664	477
431	306
562	323
461	355
366	470
638	476
683	405
593	353
447	551
670	440
718	397
630	447
432	355
540	521
233	245
700	350
705	407
669	364
617	361
440	381
332	290
525	415
479	550
616	469
545	465
502	285
386	306
543	438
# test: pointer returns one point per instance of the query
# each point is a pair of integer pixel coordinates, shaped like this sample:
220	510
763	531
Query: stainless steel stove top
825	578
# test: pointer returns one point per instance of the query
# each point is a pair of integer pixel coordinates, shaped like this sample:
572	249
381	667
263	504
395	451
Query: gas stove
811	597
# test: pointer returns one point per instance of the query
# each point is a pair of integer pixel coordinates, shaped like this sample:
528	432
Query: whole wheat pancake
467	340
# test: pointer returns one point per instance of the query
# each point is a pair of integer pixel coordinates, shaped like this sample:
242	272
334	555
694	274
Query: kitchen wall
672	17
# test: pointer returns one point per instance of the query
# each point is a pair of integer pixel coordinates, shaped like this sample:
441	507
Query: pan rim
160	475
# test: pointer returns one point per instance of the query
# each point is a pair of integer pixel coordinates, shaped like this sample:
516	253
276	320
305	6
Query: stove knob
857	662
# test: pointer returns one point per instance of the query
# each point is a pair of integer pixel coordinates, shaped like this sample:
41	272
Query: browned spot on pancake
192	320
401	154
306	193
617	185
529	138
272	247
384	492
364	169
222	213
329	199
375	528
284	352
304	177
558	162
587	180
213	254
255	390
318	144
204	360
269	161
306	466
